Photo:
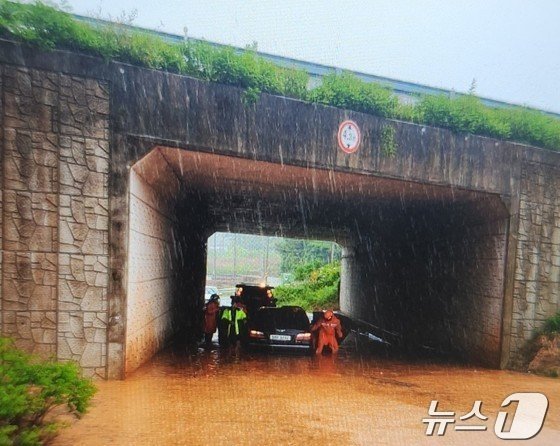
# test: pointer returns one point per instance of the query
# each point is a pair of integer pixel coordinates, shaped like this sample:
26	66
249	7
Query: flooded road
228	398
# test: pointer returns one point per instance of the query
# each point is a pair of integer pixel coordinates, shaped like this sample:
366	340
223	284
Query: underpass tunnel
423	262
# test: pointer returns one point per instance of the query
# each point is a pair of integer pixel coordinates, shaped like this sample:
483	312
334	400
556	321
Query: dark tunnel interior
423	263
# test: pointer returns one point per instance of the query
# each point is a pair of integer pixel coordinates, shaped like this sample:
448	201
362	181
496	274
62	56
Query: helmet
329	314
214	297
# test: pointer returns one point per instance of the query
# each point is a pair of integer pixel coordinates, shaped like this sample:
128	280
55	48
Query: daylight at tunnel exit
279	223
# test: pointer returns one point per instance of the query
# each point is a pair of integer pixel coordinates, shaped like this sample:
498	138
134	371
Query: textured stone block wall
536	294
153	272
55	132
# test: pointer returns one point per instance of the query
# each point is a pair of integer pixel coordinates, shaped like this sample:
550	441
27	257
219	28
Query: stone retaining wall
55	214
536	294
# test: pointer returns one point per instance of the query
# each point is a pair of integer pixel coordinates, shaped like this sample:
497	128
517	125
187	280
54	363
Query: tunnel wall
153	272
441	287
459	280
55	215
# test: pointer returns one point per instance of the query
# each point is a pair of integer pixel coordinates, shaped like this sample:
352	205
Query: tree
295	252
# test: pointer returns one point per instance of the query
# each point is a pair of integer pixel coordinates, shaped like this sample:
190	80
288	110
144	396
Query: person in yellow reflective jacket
234	318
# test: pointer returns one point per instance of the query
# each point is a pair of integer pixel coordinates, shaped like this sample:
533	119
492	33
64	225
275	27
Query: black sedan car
284	327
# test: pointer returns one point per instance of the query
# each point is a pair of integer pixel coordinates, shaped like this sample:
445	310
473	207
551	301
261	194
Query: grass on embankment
49	28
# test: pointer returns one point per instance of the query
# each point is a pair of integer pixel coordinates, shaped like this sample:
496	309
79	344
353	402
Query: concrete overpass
113	177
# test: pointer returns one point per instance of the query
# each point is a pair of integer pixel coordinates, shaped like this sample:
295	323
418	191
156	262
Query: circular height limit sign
349	136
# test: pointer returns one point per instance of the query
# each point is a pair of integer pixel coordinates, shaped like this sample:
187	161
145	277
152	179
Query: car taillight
256	334
303	337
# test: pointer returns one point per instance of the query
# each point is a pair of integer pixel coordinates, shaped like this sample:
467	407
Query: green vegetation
465	114
347	91
552	325
388	141
30	390
48	28
315	287
301	253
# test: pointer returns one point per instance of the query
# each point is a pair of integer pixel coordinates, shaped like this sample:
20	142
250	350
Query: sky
510	47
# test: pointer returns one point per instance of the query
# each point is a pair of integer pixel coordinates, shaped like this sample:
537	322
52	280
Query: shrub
31	389
347	91
316	287
44	26
465	114
304	270
247	70
325	276
532	127
552	324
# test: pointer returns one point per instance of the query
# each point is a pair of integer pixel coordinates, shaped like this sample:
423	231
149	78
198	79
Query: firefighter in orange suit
328	328
211	310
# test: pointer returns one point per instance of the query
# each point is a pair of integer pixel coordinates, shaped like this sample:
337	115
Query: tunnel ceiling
248	196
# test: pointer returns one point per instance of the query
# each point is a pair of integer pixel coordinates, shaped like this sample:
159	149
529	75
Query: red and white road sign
349	136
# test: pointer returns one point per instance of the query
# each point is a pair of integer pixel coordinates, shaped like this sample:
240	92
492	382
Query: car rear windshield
250	292
271	318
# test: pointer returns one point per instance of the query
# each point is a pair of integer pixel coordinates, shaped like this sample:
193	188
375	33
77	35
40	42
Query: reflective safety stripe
239	316
226	315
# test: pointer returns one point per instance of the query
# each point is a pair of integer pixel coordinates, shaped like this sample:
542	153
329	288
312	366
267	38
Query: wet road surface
218	397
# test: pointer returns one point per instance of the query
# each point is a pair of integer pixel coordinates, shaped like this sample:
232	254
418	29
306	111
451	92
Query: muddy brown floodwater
227	398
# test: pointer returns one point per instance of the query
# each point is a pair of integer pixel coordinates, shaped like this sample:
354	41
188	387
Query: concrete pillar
351	282
189	294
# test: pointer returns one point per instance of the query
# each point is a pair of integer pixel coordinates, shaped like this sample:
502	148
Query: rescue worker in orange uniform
328	328
211	310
